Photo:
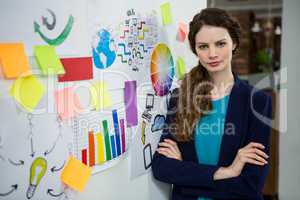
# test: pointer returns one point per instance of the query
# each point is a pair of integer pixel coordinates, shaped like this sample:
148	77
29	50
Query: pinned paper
67	103
77	69
182	32
131	103
48	60
101	98
181	69
27	91
76	174
166	13
14	61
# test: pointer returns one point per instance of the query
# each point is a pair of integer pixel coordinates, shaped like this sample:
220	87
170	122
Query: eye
221	44
202	46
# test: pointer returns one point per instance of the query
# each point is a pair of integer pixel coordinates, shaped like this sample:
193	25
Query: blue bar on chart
117	131
113	146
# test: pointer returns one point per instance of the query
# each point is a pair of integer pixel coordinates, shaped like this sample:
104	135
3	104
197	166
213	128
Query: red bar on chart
91	149
123	135
84	156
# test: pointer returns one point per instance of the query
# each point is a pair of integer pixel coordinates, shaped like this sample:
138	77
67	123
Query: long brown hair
194	93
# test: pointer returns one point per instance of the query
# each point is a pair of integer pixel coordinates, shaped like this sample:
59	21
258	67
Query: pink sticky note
182	32
67	103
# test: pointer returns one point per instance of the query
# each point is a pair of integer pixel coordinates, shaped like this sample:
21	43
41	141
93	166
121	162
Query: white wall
289	175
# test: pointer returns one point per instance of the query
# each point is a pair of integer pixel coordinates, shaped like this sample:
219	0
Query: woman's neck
223	82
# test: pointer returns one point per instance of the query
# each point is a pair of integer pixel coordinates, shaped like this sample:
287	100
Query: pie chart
162	69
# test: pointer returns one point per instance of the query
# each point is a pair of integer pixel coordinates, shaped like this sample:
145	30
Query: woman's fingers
253	154
167	145
174	144
166	152
170	144
256	157
258	152
255	145
253	161
169	149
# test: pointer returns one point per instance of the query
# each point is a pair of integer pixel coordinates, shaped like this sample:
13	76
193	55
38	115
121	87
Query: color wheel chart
99	140
162	69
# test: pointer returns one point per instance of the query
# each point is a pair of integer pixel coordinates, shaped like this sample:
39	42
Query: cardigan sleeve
250	183
183	173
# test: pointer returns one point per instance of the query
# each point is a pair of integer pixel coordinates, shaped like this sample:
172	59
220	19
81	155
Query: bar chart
99	139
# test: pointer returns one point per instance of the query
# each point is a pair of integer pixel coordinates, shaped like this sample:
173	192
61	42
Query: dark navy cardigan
191	179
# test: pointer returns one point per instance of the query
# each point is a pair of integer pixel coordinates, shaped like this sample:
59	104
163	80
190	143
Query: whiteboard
17	141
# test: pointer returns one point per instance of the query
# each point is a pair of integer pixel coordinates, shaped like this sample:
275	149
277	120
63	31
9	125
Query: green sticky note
48	60
181	69
166	13
27	91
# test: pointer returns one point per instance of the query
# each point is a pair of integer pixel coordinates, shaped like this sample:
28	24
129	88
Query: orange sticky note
182	32
76	174
67	103
13	60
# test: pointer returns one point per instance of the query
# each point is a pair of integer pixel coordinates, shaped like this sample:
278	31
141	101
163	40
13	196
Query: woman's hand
251	153
169	149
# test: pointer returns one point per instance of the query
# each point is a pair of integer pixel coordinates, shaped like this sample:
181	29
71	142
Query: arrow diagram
55	169
46	23
21	162
31	147
50	192
13	188
53	146
61	37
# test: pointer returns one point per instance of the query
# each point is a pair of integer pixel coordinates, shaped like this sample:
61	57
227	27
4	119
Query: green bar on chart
106	140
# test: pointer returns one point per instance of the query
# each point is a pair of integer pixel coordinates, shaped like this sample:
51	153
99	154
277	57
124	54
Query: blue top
209	132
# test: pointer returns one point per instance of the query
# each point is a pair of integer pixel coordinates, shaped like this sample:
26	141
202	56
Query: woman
217	141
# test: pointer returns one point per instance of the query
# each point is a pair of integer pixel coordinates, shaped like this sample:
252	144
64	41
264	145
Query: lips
214	64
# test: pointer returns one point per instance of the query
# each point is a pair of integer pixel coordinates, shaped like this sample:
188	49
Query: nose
212	53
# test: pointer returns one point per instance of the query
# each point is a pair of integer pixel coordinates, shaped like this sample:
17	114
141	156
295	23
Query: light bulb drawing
37	171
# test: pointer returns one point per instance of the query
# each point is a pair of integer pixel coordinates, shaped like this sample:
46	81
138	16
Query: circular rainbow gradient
162	69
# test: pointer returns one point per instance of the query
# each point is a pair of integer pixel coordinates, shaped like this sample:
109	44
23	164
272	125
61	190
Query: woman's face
214	48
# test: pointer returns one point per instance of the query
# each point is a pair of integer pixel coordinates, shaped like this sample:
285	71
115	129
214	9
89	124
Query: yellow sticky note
14	61
101	98
27	91
48	60
166	14
76	174
181	69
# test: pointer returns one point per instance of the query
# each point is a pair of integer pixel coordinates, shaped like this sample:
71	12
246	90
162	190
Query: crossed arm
243	179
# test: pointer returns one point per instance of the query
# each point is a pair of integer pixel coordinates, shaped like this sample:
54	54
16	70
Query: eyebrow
224	39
